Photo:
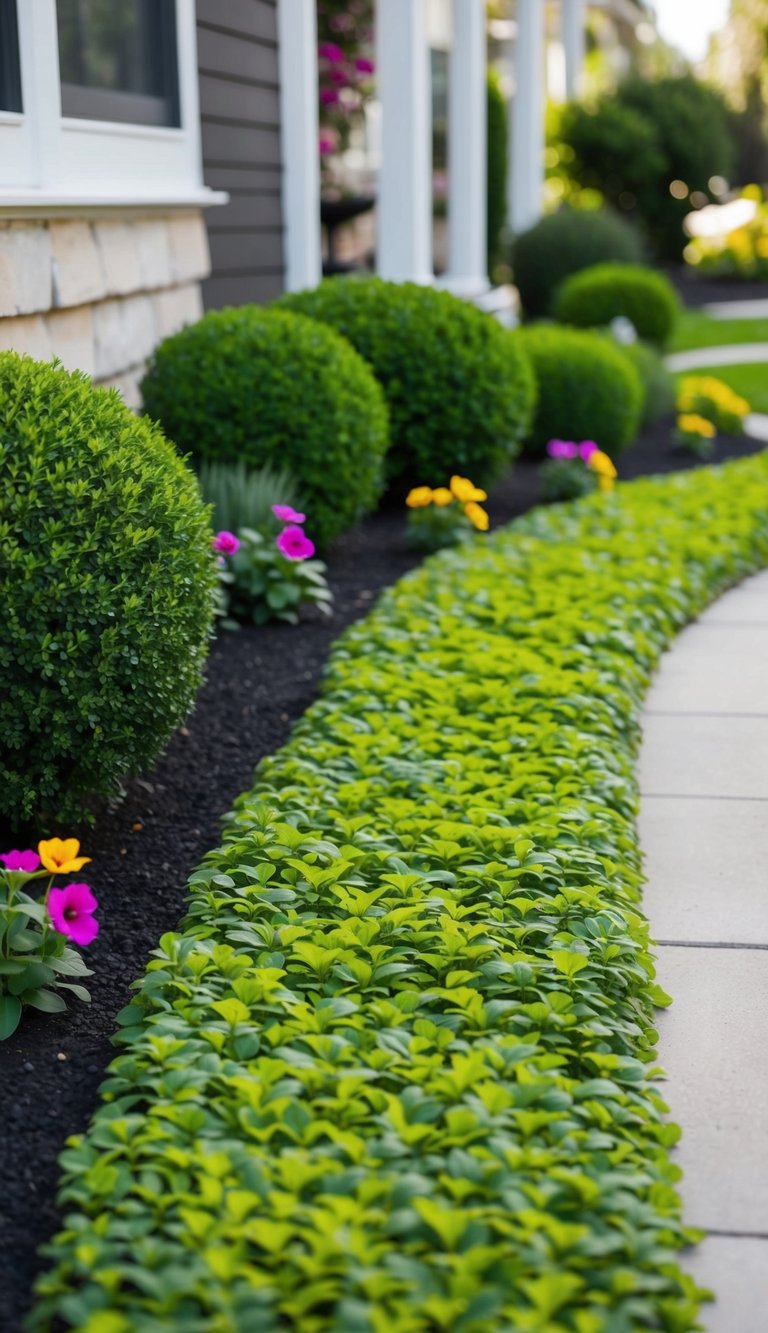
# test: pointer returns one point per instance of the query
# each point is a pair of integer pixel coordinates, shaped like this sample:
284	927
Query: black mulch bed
259	682
696	290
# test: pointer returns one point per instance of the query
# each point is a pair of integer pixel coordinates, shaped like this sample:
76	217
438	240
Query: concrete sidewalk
704	831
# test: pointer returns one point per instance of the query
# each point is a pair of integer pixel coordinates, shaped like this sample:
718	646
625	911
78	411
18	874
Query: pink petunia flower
562	449
364	66
71	910
226	543
287	514
294	544
329	97
328	142
587	448
28	862
330	51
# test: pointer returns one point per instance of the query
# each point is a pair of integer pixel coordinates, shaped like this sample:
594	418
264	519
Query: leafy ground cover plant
596	296
268	573
446	515
36	960
265	386
106	585
460	390
396	1070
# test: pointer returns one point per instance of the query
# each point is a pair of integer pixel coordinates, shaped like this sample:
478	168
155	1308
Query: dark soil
259	681
696	290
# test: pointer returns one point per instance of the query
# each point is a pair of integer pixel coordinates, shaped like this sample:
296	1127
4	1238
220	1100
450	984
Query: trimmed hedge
460	394
597	295
396	1071
563	243
264	386
106	588
588	389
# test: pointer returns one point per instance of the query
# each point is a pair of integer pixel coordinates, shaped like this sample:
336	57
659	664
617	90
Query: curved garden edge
661	579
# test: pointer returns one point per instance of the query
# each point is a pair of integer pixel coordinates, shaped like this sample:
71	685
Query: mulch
259	681
696	290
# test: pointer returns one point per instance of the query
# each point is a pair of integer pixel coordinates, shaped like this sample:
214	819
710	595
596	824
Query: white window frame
50	162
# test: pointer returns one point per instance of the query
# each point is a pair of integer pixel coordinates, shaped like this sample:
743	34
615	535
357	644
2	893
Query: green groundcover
395	1072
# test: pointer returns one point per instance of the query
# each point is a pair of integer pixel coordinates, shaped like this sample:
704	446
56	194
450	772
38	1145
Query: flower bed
396	1071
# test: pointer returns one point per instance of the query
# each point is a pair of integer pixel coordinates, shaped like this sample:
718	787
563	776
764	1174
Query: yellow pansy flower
60	855
419	497
442	496
477	516
465	491
692	424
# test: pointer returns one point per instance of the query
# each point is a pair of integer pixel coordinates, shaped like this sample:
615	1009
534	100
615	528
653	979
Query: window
118	62
10	75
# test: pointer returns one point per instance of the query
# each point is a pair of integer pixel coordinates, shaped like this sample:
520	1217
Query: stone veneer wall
100	293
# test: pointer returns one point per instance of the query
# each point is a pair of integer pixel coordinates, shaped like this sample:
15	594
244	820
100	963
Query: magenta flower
328	143
364	66
330	51
562	449
294	544
287	514
71	910
28	862
587	448
226	543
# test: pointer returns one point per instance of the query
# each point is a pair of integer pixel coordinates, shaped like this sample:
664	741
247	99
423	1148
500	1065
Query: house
159	156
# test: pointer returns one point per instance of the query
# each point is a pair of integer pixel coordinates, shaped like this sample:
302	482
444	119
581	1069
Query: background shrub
460	394
106	584
588	390
561	244
599	294
266	386
634	142
497	169
658	384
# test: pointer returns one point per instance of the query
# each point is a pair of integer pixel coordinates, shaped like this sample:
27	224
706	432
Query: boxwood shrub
563	243
588	389
460	394
396	1070
265	386
106	588
658	383
596	295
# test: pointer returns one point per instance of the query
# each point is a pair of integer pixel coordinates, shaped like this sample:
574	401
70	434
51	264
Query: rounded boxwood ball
267	386
597	295
106	584
565	242
588	390
460	395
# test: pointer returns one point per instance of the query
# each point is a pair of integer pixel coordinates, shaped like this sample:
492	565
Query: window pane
118	60
10	77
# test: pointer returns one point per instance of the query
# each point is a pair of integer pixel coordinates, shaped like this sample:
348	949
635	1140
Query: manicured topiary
658	384
588	390
599	294
106	585
460	394
563	243
266	386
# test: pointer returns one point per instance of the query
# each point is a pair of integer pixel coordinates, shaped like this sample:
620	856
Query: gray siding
240	116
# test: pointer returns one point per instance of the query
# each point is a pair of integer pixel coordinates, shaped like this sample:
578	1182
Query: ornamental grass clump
446	515
460	392
106	585
396	1070
258	387
36	960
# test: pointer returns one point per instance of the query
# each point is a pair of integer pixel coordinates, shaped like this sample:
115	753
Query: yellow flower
477	516
696	425
60	856
606	483
464	490
419	497
442	496
603	466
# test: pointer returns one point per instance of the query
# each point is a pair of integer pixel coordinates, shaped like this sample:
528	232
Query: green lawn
750	381
697	330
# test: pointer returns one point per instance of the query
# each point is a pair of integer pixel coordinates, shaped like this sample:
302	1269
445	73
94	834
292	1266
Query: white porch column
467	148
526	176
404	211
573	19
297	37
